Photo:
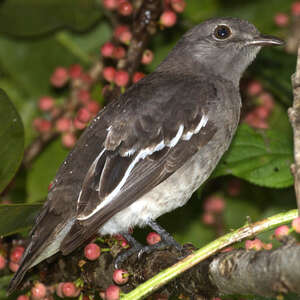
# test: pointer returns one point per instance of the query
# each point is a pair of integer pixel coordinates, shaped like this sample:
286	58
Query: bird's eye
222	32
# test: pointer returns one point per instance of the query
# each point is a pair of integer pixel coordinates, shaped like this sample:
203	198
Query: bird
146	152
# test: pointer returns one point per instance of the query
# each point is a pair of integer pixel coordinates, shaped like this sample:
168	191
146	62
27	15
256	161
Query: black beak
265	40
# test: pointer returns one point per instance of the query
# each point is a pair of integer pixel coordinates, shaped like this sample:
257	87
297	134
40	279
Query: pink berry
120	276
267	100
252	120
125	8
281	19
92	251
110	4
42	125
121	78
268	246
208	218
93	107
261	112
296	8
83	115
119	30
153	238
168	18
23	297
112	292
296	224
68	140
2	262
78	124
63	124
227	249
214	204
137	76
254	88
75	71
59	77
147	57
46	103
109	73
178	5
59	291
70	290
107	49
281	231
126	37
119	52
84	96
256	244
16	254
13	266
38	291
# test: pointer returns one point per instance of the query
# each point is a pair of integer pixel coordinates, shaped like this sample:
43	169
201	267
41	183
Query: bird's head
223	46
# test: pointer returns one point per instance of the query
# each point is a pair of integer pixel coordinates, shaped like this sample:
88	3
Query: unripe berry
147	57
178	5
59	77
296	8
214	204
120	276
13	266
23	297
70	290
110	4
119	52
281	19
296	224
137	76
68	140
281	231
125	8
2	262
84	96
107	49
254	88
93	107
75	71
153	238
16	254
38	291
46	103
112	292
92	251
121	78
63	124
168	18
109	73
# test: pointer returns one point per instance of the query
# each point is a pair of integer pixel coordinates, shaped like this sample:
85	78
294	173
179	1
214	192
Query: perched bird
148	151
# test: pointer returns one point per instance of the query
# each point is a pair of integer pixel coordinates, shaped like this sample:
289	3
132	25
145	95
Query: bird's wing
143	147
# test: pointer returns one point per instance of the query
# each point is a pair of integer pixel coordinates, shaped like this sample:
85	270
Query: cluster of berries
282	19
69	122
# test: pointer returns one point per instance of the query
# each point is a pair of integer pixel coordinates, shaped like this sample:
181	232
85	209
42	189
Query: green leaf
40	17
261	157
11	140
43	171
17	217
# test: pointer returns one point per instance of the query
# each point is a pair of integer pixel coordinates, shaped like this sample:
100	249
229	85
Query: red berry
93	107
178	5
125	8
42	125
59	77
107	49
16	254
168	18
68	140
23	297
296	8
112	292
109	73
46	103
296	224
2	262
208	218
63	124
84	96
261	112
75	71
147	57
121	78
137	76
79	125
214	204
119	30
110	4
256	244
119	52
120	276
83	115
281	19
38	291
281	231
13	266
254	88
70	290
92	251
153	238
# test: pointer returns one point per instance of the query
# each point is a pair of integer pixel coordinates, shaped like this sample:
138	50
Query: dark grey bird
148	151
